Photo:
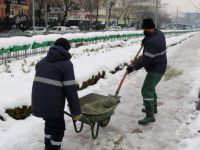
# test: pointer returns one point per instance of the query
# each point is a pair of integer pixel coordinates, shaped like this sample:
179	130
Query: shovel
124	76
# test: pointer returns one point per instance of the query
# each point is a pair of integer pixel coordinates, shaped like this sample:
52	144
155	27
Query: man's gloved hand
130	69
77	117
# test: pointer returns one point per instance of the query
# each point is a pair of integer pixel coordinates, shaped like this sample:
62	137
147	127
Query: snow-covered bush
7	68
26	68
93	80
1	118
19	113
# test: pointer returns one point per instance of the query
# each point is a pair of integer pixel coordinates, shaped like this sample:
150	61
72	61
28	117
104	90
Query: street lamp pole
33	17
156	14
46	17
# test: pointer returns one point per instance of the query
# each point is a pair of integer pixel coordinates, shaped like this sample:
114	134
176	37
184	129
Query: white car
58	30
73	29
113	28
38	31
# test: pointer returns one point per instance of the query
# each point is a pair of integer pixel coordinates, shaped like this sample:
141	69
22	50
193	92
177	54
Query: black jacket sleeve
145	60
70	89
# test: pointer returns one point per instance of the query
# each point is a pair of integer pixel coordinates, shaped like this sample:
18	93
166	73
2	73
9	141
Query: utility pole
107	12
156	14
33	17
196	18
177	18
46	17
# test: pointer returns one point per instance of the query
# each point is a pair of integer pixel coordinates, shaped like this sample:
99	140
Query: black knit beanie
63	42
148	23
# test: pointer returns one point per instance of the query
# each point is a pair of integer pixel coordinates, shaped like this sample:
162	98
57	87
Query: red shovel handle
120	84
123	78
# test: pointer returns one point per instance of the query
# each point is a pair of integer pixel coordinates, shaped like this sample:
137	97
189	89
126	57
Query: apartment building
14	8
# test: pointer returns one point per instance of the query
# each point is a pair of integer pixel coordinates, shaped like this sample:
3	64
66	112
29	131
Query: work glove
130	69
77	117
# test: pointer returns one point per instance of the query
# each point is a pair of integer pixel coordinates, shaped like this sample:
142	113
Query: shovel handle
125	74
138	53
120	84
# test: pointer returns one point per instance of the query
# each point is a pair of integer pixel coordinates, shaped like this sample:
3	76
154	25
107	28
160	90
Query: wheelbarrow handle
68	114
74	123
125	74
83	118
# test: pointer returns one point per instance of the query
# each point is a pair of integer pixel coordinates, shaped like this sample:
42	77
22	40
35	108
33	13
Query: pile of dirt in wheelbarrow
96	104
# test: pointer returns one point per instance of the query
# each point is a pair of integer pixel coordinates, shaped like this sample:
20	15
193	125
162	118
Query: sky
183	5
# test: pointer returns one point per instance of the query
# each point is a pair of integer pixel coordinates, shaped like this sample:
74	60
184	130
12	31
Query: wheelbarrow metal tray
97	107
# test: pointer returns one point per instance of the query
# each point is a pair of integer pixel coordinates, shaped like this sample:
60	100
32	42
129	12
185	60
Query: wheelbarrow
97	109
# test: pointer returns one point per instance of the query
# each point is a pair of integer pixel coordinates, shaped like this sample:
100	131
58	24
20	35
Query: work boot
46	147
147	120
155	110
149	107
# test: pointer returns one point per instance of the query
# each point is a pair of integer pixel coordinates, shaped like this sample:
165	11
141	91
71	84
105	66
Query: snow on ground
177	120
107	59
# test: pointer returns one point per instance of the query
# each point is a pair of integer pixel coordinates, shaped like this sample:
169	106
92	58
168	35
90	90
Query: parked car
73	29
98	27
13	32
129	28
58	29
38	31
113	28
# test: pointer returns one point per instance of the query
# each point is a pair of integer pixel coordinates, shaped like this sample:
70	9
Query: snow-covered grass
177	121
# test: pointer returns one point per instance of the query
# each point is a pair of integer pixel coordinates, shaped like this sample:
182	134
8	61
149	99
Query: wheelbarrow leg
94	135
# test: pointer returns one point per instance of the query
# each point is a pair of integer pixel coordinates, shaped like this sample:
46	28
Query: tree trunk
121	15
7	10
64	17
109	15
97	12
40	13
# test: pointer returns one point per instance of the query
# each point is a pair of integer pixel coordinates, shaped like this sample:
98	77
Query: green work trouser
149	90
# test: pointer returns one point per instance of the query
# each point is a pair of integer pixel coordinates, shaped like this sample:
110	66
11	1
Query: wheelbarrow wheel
105	122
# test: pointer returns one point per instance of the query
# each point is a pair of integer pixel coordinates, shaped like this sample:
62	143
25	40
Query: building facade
14	13
2	9
14	8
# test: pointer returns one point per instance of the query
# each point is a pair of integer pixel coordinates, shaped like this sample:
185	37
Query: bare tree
68	4
88	5
39	10
96	5
124	9
111	6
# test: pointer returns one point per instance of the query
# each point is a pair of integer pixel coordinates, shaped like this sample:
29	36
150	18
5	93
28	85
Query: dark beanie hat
148	23
63	42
